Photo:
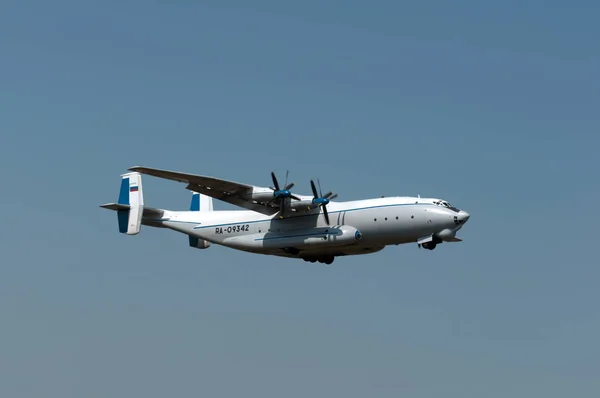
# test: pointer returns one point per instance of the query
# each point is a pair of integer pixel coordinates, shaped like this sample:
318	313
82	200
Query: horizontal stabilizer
455	239
147	211
115	206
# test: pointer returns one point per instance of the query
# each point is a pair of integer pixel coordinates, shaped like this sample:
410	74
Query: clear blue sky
494	107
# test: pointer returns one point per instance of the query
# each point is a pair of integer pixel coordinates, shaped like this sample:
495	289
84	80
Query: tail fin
200	203
130	205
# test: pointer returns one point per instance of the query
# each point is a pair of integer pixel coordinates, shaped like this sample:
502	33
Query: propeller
279	193
282	194
320	199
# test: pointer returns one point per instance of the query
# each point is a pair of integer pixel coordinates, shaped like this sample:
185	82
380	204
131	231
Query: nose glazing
461	218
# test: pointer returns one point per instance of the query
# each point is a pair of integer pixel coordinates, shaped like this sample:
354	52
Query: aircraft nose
463	216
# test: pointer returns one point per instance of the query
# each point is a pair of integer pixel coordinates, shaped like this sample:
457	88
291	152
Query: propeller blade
314	189
320	192
282	209
287	173
325	214
295	197
289	186
328	194
275	181
335	195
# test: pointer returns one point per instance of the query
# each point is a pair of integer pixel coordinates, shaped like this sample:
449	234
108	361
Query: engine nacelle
199	243
261	195
303	205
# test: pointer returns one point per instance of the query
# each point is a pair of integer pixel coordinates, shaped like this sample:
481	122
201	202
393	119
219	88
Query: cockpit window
445	204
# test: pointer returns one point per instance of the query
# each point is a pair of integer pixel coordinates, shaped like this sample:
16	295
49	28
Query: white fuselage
356	227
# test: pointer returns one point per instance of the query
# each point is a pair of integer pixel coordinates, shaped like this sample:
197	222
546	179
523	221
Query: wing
238	194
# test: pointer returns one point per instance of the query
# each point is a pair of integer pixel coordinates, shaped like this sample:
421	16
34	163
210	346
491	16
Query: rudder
131	194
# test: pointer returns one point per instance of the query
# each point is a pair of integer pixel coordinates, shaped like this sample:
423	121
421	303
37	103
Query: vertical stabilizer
132	195
201	203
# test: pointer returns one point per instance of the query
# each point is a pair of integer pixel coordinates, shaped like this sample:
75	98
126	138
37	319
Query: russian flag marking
133	188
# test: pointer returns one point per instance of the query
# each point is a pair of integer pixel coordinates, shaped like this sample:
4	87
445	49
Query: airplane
281	223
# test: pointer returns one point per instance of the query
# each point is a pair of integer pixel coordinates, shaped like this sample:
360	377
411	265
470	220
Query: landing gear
327	260
324	260
429	245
